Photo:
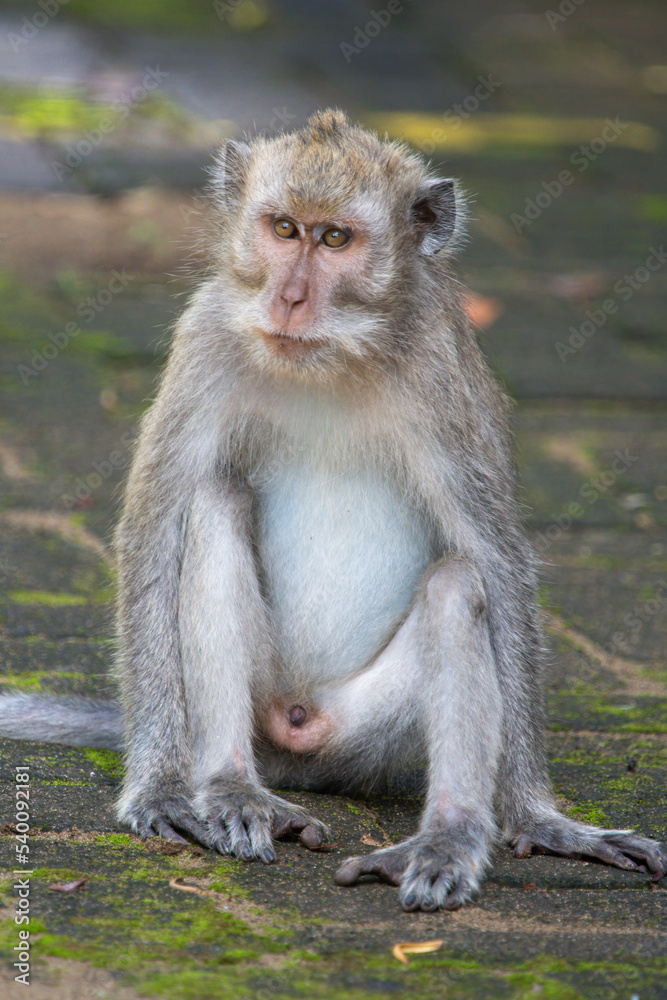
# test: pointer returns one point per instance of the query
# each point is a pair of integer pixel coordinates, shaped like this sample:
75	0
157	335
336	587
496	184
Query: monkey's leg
225	654
450	679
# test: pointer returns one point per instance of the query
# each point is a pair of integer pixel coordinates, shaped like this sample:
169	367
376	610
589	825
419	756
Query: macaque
324	581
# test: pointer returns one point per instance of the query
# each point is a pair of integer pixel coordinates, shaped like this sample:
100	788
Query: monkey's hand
436	869
231	817
556	834
242	819
161	812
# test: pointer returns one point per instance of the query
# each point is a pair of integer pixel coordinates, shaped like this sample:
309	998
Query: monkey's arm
192	634
176	449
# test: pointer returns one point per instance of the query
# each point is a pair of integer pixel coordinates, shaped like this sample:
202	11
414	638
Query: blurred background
551	116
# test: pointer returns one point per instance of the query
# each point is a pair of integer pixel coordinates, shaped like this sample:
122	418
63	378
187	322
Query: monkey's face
314	286
324	237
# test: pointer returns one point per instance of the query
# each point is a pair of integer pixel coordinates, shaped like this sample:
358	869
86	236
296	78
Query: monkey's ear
230	171
433	215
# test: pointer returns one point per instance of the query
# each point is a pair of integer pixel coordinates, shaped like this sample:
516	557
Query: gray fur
274	494
80	722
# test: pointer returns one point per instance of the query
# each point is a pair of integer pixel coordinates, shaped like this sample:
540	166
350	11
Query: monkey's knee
455	588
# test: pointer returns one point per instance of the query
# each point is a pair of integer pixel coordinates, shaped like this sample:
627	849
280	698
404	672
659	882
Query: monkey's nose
294	293
291	301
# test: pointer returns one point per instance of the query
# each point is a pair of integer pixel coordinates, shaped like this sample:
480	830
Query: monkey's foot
243	819
434	869
569	839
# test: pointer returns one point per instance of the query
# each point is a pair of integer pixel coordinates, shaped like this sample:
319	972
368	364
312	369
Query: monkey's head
323	234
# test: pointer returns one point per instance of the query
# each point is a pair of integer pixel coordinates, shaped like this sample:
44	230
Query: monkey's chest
340	559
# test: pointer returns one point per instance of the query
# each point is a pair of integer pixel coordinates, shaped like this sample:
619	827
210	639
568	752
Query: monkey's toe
387	865
569	839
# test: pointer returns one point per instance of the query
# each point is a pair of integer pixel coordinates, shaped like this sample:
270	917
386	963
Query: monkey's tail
81	722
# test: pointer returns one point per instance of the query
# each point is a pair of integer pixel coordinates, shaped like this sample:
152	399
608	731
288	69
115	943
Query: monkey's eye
285	229
335	238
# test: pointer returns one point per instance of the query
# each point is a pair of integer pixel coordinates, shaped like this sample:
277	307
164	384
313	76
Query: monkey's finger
197	830
238	836
523	847
311	832
219	837
464	889
260	840
440	891
311	837
163	829
418	893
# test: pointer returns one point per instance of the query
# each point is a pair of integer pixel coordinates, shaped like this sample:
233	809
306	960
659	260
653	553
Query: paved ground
591	437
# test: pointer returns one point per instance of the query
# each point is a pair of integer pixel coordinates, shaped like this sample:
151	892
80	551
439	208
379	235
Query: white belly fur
341	557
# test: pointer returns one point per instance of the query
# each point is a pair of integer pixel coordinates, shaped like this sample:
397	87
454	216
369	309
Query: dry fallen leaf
370	841
177	883
326	847
405	948
69	886
529	885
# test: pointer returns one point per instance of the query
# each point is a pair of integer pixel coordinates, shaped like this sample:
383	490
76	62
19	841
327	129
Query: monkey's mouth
289	346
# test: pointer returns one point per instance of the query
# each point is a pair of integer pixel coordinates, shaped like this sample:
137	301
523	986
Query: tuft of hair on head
325	125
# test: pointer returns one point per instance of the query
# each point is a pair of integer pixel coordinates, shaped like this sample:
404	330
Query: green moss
590	813
24	682
116	840
60	874
63	781
47	599
226	878
107	760
610	711
33	680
